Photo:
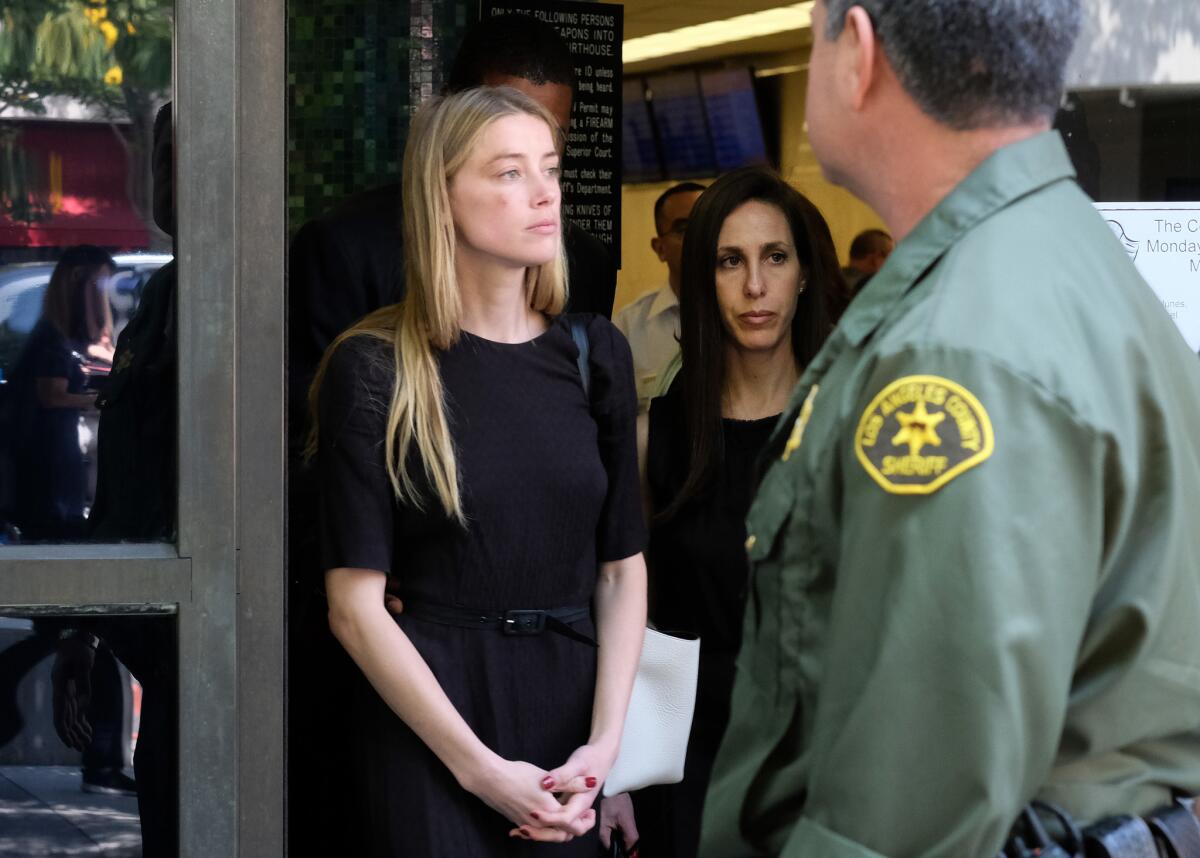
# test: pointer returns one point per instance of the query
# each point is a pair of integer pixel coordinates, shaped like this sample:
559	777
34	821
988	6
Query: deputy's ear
859	46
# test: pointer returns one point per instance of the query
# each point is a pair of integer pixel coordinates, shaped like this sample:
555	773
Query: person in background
758	265
464	458
974	546
651	323
94	322
49	392
869	250
136	491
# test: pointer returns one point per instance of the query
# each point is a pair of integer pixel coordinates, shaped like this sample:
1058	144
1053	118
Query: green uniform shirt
976	550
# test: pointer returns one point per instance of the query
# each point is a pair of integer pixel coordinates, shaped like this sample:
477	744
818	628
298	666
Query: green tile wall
356	68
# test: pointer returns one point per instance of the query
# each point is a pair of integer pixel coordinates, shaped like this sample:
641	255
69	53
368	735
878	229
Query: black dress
550	489
698	583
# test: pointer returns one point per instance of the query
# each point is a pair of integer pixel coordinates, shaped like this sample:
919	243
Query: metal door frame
225	576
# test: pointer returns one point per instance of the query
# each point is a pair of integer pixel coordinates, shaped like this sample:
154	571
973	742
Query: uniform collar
1007	175
664	299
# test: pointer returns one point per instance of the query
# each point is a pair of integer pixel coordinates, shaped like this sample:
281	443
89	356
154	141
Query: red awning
86	167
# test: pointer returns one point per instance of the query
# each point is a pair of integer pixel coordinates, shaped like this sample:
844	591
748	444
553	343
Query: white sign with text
1163	240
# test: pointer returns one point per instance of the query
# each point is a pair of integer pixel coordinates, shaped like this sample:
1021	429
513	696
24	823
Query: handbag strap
580	336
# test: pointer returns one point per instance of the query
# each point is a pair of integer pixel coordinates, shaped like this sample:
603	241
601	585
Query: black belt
1169	832
515	622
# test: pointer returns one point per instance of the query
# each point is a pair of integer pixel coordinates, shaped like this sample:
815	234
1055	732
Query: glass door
142	202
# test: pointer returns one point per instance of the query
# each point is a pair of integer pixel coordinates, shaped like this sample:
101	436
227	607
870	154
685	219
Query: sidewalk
43	812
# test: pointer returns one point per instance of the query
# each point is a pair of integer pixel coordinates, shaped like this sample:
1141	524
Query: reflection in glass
1135	144
1134	150
48	393
88	736
86	238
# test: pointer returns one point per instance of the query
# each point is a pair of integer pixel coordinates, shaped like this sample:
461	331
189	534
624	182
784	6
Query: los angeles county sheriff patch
921	432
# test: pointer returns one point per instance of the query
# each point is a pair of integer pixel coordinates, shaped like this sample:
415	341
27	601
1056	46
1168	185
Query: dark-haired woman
49	393
759	268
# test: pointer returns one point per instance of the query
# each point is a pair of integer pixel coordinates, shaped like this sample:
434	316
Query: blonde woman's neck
495	303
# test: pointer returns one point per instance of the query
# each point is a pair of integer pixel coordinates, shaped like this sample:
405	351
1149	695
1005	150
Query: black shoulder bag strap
580	336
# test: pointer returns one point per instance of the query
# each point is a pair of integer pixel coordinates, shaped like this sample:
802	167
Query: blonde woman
462	464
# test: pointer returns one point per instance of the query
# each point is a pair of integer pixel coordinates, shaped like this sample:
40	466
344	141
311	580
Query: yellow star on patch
918	428
944	432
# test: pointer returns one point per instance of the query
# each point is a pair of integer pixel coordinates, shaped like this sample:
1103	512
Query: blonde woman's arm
616	813
396	670
620	603
619	599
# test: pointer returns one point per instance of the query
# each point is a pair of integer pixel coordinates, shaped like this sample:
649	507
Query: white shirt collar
664	299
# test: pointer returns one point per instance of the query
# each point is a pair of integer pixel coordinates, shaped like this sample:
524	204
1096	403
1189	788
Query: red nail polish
547	782
533	813
590	781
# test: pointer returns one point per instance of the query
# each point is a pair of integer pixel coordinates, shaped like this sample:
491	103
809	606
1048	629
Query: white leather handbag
659	721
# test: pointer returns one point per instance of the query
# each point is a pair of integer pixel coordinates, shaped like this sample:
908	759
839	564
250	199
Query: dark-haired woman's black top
550	490
698	582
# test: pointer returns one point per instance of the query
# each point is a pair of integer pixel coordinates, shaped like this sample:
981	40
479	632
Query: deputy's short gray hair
974	63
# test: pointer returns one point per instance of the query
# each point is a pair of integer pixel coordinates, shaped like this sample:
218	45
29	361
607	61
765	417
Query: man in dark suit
343	265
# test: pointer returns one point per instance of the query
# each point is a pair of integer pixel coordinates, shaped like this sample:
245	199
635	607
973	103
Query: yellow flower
114	76
95	15
129	28
110	33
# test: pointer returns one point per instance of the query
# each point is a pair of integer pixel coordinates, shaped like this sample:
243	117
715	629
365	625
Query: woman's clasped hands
549	807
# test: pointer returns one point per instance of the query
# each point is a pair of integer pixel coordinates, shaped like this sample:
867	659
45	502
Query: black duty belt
1169	832
517	623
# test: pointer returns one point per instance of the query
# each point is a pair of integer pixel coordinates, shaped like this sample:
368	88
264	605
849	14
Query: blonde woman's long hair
441	138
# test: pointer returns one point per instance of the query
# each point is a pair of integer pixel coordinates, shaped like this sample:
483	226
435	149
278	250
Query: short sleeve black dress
550	489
